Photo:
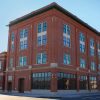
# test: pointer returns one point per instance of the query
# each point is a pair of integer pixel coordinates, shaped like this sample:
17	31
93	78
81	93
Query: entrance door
21	85
9	86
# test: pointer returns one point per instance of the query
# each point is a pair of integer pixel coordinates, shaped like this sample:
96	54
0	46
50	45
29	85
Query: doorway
21	85
9	88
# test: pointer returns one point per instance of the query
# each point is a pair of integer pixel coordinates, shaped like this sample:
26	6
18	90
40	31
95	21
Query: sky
86	10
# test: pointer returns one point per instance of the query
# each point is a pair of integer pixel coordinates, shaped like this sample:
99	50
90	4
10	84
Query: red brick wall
54	47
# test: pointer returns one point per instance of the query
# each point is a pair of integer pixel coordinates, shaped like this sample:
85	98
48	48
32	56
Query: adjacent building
51	49
3	57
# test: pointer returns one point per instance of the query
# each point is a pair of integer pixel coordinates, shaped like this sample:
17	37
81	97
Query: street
94	97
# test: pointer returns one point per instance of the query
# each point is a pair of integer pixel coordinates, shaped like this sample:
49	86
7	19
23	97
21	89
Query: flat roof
51	6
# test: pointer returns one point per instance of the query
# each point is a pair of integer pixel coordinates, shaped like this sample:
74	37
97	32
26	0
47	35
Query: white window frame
92	47
22	61
12	41
41	58
93	66
22	40
67	36
82	63
68	62
82	42
41	34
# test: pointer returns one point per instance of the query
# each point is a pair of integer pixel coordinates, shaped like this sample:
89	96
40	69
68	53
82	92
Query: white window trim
66	35
41	35
92	47
23	39
67	55
82	65
41	58
81	42
22	61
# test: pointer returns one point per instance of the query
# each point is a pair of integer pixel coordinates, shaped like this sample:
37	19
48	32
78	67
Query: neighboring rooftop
51	6
3	53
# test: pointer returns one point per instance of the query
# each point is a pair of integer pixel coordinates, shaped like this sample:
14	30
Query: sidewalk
52	95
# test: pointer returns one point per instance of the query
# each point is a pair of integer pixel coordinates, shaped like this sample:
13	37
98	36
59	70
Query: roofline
51	6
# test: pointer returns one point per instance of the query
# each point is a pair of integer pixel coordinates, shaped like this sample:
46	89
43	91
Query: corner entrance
21	85
9	86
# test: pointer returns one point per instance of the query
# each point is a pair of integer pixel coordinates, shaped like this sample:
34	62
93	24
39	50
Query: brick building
51	49
3	57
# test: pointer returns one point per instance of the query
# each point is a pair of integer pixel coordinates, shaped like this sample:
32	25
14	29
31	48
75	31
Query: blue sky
87	10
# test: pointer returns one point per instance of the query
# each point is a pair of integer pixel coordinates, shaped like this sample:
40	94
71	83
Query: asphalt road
95	97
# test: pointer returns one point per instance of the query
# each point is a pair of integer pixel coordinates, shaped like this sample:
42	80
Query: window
12	41
67	59
24	33
12	37
82	42
66	81
23	44
66	36
99	66
12	46
83	82
11	63
23	39
39	40
22	61
66	29
42	27
91	47
42	40
99	50
93	82
41	58
42	34
82	63
0	65
93	66
39	28
41	80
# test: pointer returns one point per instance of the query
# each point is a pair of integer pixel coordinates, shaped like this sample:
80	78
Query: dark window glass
83	83
39	39
66	81
44	39
39	28
41	80
12	37
44	26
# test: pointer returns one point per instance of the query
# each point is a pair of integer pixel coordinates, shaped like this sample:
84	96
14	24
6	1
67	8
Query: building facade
3	57
51	49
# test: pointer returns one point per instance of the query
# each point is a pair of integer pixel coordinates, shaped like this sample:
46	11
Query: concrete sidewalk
52	95
7	97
